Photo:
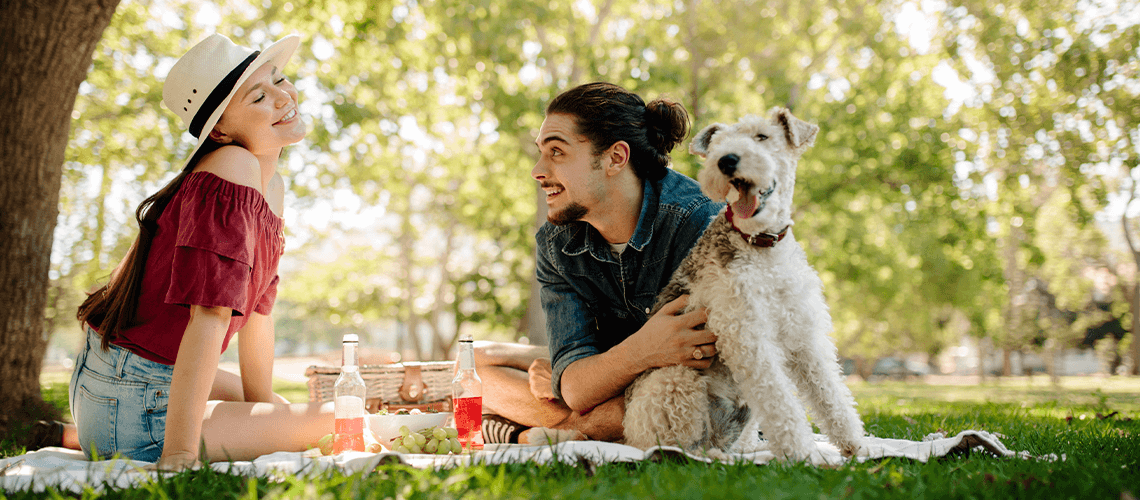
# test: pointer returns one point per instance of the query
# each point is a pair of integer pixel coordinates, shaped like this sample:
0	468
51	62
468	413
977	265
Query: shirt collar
650	203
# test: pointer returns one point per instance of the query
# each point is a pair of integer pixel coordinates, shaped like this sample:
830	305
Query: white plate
386	427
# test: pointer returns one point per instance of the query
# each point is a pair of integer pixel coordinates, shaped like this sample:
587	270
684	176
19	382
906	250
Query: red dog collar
763	240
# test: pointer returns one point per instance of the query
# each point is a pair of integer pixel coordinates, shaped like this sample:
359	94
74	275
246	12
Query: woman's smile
289	117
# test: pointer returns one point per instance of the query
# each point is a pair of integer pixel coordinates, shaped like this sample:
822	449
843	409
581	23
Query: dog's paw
544	435
849	450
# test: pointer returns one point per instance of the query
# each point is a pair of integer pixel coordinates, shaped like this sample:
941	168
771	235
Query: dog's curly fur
766	307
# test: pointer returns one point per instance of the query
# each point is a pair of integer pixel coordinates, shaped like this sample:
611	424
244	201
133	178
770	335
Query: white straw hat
201	84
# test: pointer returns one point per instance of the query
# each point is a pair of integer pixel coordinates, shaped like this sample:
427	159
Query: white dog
765	304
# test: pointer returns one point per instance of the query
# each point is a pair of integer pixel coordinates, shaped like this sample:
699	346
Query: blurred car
847	366
898	369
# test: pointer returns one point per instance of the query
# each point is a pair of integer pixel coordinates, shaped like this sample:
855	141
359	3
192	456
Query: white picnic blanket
69	471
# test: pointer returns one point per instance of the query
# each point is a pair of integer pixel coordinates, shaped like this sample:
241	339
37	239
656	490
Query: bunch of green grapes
437	440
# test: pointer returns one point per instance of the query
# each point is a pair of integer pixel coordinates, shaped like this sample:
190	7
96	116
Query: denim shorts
118	401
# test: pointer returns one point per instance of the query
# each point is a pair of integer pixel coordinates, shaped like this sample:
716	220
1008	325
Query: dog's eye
761	137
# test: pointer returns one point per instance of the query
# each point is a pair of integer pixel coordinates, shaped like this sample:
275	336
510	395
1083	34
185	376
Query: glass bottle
349	393
467	398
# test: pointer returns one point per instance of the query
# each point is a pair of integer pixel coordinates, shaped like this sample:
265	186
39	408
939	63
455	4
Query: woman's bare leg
245	431
227	387
71	437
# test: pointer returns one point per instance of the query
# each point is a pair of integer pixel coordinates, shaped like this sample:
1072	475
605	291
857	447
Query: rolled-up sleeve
567	320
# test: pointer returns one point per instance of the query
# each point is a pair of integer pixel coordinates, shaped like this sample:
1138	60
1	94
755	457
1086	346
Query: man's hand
540	379
672	337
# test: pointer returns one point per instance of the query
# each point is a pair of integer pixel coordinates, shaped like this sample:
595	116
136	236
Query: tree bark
1135	369
535	319
46	47
983	353
441	342
1134	304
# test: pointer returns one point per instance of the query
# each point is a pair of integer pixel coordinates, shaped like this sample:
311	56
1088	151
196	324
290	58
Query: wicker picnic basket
423	385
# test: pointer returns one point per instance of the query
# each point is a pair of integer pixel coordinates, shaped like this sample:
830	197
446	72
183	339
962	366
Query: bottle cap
466	338
351	337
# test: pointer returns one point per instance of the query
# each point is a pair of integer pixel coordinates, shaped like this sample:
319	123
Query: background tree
1052	121
45	49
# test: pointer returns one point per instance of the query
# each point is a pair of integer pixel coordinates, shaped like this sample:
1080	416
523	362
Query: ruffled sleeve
215	244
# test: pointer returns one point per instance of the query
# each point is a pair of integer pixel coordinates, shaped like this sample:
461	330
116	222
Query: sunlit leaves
412	196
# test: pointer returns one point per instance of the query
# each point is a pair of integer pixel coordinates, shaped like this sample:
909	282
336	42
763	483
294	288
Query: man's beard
572	213
575	211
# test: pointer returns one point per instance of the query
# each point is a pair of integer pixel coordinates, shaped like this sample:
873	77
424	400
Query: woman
203	268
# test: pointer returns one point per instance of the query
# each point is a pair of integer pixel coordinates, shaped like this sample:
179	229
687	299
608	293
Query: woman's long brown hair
112	308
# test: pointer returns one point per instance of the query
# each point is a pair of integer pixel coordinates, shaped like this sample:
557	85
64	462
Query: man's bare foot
540	375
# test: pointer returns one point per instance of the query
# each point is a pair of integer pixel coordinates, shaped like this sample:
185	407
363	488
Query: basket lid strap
413	388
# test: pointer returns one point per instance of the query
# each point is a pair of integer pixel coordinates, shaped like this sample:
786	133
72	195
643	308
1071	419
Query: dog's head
751	164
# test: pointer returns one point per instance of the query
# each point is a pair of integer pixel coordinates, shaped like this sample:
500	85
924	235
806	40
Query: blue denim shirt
594	300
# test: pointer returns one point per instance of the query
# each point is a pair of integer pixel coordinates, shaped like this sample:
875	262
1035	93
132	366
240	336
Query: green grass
1102	456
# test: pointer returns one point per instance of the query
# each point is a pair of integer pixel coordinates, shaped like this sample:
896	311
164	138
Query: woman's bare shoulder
234	164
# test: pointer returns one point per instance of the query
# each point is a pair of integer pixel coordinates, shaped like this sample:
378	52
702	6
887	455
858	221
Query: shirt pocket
642	304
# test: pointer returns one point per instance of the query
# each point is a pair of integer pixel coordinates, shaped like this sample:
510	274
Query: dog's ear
700	144
800	134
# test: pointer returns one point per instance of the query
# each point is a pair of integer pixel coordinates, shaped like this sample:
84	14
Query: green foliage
931	212
1050	143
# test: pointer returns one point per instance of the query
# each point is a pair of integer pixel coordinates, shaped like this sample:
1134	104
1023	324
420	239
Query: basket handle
413	388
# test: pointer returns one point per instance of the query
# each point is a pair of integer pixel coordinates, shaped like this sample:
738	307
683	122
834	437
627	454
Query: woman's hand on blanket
541	374
672	337
175	462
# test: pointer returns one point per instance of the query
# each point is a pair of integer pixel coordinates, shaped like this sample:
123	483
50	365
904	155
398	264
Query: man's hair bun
667	124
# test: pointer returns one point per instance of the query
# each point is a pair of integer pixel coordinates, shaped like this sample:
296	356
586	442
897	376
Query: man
619	223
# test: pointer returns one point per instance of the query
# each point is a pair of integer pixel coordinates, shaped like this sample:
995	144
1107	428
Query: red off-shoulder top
218	244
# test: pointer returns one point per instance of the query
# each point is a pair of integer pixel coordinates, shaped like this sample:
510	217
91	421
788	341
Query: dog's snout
727	164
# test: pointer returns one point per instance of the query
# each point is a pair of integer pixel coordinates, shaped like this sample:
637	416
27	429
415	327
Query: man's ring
698	353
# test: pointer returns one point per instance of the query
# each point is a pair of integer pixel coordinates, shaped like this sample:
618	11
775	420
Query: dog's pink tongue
745	206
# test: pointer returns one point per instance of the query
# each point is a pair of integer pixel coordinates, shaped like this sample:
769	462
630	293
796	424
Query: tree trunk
441	342
983	353
406	243
45	49
1135	370
1135	302
863	367
1051	362
534	322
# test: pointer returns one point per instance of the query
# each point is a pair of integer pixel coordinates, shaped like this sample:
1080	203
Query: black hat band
218	95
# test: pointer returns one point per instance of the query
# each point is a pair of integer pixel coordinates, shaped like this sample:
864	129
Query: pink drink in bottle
348	409
467	398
